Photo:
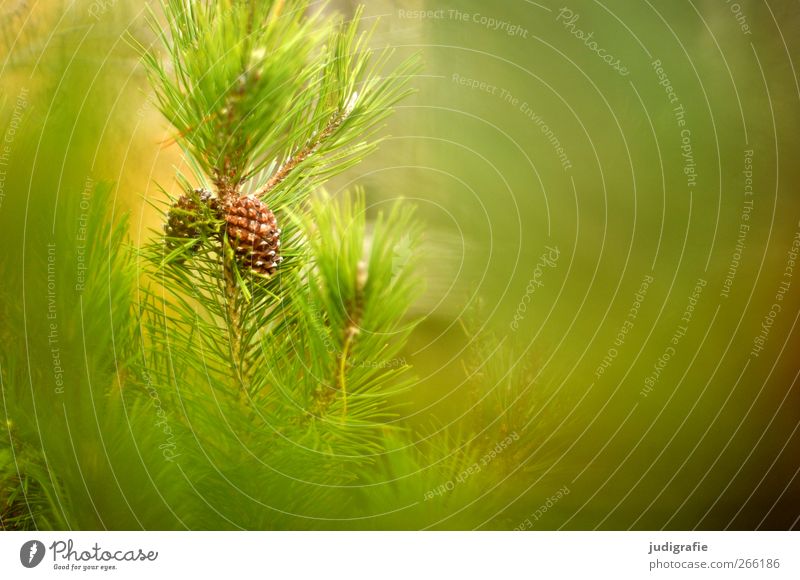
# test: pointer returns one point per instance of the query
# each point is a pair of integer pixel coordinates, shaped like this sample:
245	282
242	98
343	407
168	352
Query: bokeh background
632	228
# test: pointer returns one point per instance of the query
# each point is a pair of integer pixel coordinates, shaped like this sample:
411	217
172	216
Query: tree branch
234	321
309	149
354	316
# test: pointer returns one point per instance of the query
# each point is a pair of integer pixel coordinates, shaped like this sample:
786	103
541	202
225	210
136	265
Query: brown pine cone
254	235
188	217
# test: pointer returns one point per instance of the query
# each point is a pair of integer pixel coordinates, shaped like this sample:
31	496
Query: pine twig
233	319
354	316
309	149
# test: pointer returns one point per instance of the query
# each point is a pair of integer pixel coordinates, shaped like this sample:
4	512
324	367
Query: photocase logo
31	553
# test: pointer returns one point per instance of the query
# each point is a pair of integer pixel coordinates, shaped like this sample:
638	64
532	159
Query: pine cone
188	216
254	235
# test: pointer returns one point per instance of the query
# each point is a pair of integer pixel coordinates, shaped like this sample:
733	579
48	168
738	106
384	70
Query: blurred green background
552	184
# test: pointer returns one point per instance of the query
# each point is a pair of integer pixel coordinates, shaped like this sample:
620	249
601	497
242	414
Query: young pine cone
253	234
189	217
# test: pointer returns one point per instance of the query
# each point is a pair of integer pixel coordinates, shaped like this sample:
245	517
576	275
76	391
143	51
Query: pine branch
301	367
233	69
247	84
362	299
355	312
308	150
233	318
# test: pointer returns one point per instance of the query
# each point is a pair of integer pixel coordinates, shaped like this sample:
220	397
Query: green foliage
276	390
360	297
477	471
23	503
308	398
255	85
195	394
72	429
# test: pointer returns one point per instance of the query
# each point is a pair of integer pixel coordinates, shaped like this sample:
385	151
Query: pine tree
241	369
273	316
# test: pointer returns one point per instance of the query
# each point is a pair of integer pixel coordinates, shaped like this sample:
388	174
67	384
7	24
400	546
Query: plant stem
303	153
355	314
342	381
234	321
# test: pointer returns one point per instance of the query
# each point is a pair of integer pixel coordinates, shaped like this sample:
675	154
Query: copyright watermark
548	260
